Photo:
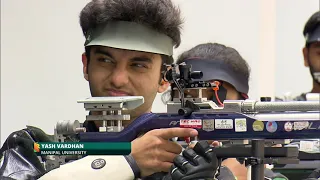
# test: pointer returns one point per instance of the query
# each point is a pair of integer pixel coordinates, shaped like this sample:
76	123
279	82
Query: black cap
313	36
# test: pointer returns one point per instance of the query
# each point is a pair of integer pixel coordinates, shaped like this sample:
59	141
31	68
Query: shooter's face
117	72
232	93
312	56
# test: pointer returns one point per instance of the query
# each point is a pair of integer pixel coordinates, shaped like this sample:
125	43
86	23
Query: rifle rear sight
181	78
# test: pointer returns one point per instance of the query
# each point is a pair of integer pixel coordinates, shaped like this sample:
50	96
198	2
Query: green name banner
82	148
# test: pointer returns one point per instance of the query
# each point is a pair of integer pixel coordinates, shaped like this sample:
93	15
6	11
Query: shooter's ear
305	52
85	66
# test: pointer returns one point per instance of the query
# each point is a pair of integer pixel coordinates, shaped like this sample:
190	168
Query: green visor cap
130	36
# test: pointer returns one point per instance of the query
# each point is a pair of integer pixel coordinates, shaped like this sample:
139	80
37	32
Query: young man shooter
311	54
127	41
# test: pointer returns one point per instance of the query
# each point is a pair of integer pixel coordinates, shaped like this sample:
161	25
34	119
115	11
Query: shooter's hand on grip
197	163
153	152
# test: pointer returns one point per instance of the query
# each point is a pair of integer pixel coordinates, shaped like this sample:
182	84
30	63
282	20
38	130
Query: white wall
41	46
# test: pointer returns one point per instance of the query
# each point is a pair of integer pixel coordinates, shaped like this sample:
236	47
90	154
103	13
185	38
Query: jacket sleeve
93	167
18	161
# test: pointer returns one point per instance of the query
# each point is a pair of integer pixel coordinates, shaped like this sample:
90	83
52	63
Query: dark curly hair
160	15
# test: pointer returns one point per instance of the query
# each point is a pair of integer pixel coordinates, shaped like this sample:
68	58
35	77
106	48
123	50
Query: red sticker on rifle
191	123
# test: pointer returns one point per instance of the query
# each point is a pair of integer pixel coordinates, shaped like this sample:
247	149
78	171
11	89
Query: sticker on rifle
300	125
241	125
223	124
271	126
288	126
307	146
258	126
191	123
208	125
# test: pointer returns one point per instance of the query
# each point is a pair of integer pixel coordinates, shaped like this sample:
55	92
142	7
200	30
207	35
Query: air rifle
257	121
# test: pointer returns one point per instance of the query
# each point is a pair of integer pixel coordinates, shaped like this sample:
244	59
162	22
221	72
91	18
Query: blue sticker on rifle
271	126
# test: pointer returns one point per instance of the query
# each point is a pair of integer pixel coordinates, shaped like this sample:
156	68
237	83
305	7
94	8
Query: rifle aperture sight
184	73
187	74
